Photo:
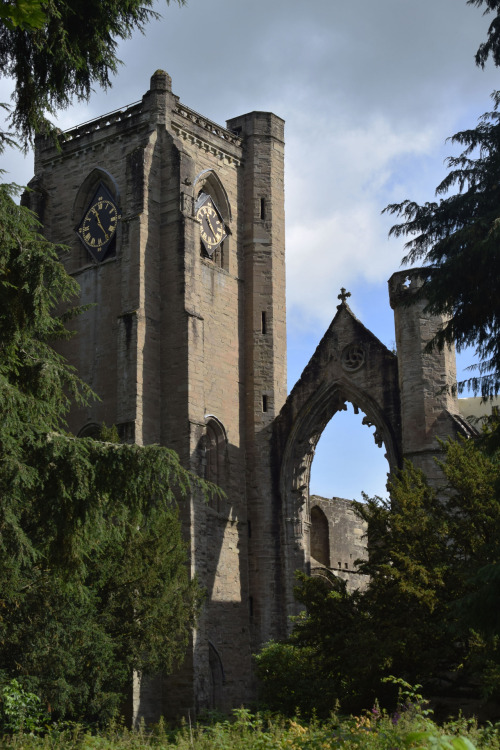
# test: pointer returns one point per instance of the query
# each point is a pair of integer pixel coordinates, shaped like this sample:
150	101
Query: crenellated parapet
193	118
159	106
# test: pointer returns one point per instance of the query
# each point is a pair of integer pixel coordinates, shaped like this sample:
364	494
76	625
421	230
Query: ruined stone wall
428	405
349	364
347	541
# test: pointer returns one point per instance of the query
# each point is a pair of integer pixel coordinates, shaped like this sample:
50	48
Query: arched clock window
212	229
97	216
213	213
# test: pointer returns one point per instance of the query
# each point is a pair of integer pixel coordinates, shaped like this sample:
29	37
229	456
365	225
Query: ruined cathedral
176	231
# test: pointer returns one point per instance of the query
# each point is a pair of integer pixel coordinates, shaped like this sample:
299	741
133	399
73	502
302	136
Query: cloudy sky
370	90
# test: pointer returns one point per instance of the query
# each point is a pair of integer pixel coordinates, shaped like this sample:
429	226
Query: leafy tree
458	240
59	49
428	560
93	580
24	14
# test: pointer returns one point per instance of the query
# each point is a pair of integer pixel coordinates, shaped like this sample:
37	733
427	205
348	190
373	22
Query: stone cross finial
343	295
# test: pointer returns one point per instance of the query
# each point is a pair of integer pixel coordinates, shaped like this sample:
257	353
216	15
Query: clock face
212	229
97	229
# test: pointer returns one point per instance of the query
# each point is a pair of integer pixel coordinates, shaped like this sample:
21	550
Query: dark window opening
214	459
262	208
218	678
264	402
320	538
263	322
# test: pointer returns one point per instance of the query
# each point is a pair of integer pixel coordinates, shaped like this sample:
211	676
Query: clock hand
210	226
100	225
213	230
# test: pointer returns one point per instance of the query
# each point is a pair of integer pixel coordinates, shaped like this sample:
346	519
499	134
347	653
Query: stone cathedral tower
176	233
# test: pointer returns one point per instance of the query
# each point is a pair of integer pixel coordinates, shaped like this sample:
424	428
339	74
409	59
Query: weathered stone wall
428	405
263	235
347	540
169	343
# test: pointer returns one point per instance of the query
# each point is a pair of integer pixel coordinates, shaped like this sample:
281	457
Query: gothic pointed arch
208	183
349	365
89	185
101	180
217	678
214	456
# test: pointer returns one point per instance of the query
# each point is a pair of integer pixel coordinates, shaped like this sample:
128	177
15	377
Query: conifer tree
457	237
60	49
458	240
492	44
93	575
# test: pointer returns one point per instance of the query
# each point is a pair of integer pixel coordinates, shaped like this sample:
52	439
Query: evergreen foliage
492	44
429	560
93	575
458	239
60	49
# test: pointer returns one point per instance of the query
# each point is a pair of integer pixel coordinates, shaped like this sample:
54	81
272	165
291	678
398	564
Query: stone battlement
191	116
158	106
111	118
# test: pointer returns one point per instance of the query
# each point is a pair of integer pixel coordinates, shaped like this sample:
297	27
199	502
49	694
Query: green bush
20	710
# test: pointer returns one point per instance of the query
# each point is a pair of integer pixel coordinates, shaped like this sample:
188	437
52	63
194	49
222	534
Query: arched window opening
212	455
320	537
215	464
91	430
349	458
217	678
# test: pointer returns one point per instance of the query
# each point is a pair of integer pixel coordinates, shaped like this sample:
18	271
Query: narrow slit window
264	402
263	322
262	208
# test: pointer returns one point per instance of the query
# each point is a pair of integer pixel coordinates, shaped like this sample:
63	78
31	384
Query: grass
413	727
